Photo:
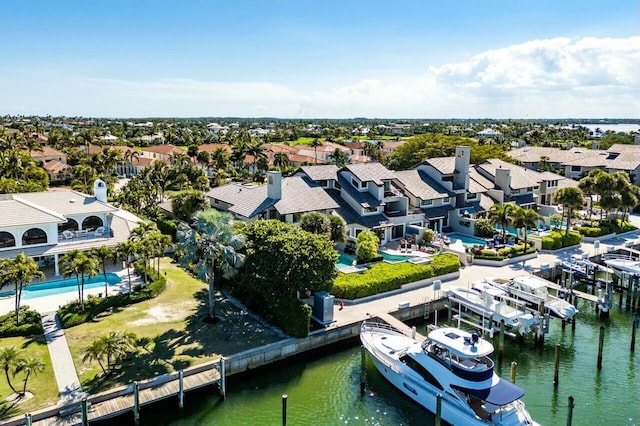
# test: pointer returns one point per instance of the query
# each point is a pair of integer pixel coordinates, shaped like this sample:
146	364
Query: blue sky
336	59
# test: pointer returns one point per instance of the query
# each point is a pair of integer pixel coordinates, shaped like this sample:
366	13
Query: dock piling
600	347
570	414
501	342
514	368
556	366
363	369
85	413
438	421
181	389
136	403
223	385
27	419
634	326
284	409
413	332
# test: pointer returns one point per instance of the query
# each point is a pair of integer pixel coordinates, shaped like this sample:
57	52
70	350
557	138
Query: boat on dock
451	363
533	290
494	306
630	266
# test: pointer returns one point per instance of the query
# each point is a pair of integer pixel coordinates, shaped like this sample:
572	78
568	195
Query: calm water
325	390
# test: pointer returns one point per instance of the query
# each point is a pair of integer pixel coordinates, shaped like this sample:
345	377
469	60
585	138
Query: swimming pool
467	240
62	286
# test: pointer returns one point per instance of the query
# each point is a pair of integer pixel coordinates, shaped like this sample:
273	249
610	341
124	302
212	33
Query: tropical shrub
557	240
30	323
367	245
484	228
429	236
383	277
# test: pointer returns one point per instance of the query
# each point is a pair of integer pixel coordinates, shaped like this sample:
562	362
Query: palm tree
9	360
30	365
129	156
315	143
22	270
340	157
102	254
81	265
588	186
525	218
141	236
500	214
95	351
113	346
280	160
126	251
570	198
211	245
256	150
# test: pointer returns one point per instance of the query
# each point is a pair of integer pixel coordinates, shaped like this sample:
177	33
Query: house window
515	191
91	223
552	183
370	209
34	236
336	185
576	168
387	185
296	217
426	203
7	239
355	183
529	189
446	200
535	188
472	196
323	183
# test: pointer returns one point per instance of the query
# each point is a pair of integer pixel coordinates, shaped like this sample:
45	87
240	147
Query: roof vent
73	200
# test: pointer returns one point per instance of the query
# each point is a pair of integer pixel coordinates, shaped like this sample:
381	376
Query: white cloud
559	77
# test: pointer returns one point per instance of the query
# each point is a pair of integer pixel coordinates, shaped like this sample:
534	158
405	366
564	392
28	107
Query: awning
501	394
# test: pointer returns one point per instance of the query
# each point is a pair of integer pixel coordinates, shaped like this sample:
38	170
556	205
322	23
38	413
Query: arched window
7	239
34	236
91	223
69	225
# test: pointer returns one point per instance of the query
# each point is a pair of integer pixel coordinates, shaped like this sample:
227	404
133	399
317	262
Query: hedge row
30	323
71	314
382	277
558	240
504	253
606	227
293	316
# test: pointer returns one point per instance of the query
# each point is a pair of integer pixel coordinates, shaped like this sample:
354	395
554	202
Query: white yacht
493	306
450	362
629	266
533	290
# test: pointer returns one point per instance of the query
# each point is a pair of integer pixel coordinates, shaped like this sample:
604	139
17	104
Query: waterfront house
46	225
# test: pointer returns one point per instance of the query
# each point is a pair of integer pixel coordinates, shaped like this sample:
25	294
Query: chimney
463	161
100	190
274	185
503	180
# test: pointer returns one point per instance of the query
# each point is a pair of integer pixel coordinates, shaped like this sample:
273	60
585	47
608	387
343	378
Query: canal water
324	389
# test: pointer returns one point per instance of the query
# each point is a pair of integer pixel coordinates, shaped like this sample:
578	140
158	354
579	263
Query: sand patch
165	313
19	399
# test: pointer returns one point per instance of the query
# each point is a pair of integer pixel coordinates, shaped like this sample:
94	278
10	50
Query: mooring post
564	324
573	324
570	414
363	369
181	389
438	409
413	332
600	346
85	413
514	368
449	311
136	403
634	326
284	409
540	333
27	419
556	366
501	342
223	380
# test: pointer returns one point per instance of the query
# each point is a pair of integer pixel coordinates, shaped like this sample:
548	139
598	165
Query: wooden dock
580	294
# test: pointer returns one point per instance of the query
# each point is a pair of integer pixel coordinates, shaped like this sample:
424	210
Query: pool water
346	260
467	240
62	286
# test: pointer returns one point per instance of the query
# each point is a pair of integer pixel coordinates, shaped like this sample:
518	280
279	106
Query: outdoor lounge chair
99	231
67	235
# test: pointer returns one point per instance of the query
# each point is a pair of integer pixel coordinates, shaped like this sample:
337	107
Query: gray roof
17	212
374	172
324	172
365	199
477	182
350	216
67	202
445	165
299	195
520	176
421	185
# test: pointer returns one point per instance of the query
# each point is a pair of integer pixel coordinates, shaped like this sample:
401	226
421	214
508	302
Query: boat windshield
442	354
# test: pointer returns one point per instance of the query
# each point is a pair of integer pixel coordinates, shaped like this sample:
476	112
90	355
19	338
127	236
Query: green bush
71	314
168	226
504	253
484	228
30	323
558	240
383	277
293	316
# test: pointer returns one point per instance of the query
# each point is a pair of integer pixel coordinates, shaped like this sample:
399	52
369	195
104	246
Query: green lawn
171	333
304	141
42	385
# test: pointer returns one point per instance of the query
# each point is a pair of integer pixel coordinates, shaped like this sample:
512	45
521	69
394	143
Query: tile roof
422	186
165	149
55	166
47	151
299	195
351	217
211	147
445	165
371	172
365	199
521	177
316	173
66	202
